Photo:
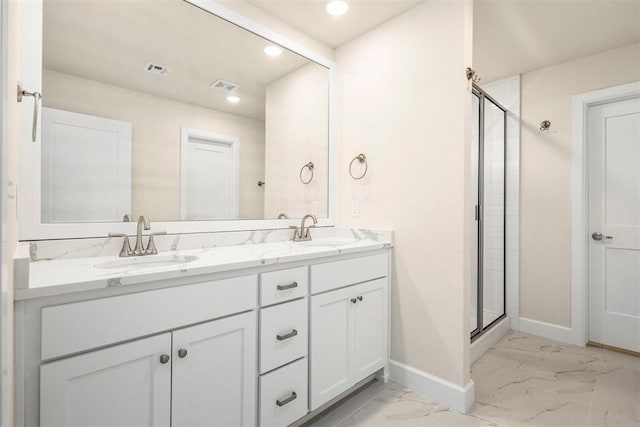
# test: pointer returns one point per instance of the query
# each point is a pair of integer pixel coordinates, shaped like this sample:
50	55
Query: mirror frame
29	190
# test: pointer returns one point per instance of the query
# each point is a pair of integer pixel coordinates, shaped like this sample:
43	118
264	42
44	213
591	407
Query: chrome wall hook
545	125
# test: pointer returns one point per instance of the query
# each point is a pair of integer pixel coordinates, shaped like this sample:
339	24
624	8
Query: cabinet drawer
283	395
283	285
79	326
333	275
283	334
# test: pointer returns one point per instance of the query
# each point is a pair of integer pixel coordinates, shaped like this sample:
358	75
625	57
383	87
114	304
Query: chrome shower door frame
480	328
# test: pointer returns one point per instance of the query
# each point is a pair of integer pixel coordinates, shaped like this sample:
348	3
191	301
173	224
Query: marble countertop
67	275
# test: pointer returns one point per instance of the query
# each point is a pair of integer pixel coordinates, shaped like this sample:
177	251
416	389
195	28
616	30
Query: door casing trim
579	209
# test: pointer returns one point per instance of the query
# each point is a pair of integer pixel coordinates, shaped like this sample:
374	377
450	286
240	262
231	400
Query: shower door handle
36	106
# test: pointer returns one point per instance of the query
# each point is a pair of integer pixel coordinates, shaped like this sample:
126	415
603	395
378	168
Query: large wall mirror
164	108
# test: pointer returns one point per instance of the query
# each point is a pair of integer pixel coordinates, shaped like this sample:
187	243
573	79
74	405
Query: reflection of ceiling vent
156	69
224	85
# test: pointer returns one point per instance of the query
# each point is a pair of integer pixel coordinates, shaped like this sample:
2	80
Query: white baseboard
515	323
489	338
435	388
549	330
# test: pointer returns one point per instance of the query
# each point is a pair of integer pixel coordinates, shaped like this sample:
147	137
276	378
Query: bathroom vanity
254	334
231	323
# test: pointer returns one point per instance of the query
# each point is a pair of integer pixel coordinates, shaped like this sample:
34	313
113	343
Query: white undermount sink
149	261
329	241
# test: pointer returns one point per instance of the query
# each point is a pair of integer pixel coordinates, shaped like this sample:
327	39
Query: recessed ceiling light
337	7
272	50
233	99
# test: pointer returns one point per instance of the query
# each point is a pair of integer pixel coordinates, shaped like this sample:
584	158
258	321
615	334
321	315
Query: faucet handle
126	246
151	246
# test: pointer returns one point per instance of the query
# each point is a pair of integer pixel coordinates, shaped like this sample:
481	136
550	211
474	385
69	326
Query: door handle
599	236
36	103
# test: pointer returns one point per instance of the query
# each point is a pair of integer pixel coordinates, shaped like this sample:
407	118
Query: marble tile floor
523	380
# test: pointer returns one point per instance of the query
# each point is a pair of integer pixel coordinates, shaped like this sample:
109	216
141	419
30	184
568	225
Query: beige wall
156	126
404	103
296	133
545	182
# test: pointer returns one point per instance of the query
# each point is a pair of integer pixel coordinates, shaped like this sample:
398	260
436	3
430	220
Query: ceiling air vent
224	85
156	69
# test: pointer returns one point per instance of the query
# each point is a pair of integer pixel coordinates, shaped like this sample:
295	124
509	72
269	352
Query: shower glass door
488	230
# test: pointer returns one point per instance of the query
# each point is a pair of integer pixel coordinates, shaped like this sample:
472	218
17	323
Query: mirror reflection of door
209	176
86	167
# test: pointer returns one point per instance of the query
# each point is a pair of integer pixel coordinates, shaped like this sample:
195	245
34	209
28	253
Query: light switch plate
355	208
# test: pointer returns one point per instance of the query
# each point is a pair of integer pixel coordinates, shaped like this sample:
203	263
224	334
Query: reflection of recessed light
272	50
337	7
233	99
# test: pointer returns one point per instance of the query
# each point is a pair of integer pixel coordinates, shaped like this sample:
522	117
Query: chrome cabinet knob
360	298
353	300
182	353
164	358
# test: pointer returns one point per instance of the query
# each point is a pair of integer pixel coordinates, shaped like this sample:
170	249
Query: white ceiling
310	17
515	36
510	36
111	41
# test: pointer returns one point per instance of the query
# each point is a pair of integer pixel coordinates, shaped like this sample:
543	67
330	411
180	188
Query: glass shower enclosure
488	152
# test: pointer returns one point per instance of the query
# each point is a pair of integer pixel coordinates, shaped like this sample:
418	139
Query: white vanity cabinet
349	325
264	346
206	377
214	374
180	355
123	385
284	346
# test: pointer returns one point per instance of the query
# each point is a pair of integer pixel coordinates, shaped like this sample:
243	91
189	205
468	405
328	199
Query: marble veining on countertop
59	272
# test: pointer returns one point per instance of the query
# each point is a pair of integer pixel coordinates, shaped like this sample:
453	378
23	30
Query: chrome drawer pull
289	286
291	334
287	400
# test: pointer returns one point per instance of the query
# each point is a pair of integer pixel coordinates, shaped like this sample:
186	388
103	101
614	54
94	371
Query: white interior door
208	176
613	140
86	167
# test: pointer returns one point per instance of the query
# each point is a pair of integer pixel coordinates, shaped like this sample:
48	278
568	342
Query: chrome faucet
303	234
139	249
143	220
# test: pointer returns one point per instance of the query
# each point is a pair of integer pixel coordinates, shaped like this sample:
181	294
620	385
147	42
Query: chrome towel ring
362	159
310	167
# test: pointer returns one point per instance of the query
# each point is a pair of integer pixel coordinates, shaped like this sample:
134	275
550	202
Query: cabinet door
123	385
331	346
214	381
370	328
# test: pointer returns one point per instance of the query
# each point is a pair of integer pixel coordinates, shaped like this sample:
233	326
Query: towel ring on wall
310	166
362	159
